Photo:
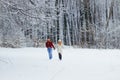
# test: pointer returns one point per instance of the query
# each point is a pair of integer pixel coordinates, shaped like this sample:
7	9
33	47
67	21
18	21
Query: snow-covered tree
81	23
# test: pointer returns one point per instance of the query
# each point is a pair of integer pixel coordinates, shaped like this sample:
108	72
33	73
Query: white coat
59	48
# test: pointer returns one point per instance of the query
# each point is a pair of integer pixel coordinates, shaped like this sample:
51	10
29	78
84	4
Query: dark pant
60	56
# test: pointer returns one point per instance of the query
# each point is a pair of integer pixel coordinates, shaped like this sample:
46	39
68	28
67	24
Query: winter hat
59	40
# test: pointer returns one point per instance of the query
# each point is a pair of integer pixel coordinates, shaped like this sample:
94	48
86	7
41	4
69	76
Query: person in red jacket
49	46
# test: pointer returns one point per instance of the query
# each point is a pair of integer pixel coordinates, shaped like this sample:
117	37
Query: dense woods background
78	23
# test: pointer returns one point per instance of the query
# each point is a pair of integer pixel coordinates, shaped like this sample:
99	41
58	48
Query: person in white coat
59	49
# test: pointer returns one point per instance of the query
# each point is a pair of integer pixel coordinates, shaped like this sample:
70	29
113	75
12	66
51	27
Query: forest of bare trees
78	23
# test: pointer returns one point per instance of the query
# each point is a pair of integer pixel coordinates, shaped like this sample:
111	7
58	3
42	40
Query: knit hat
59	40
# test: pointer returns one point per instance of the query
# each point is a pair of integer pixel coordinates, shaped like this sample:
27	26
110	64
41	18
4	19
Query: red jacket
49	44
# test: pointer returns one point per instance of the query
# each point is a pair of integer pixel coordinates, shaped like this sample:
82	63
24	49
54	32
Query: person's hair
48	39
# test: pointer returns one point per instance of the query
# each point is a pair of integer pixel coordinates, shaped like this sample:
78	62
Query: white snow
77	64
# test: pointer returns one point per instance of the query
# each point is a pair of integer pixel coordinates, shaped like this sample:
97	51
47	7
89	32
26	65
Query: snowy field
77	64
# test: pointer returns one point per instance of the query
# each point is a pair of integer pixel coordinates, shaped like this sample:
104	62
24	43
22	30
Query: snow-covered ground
77	64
